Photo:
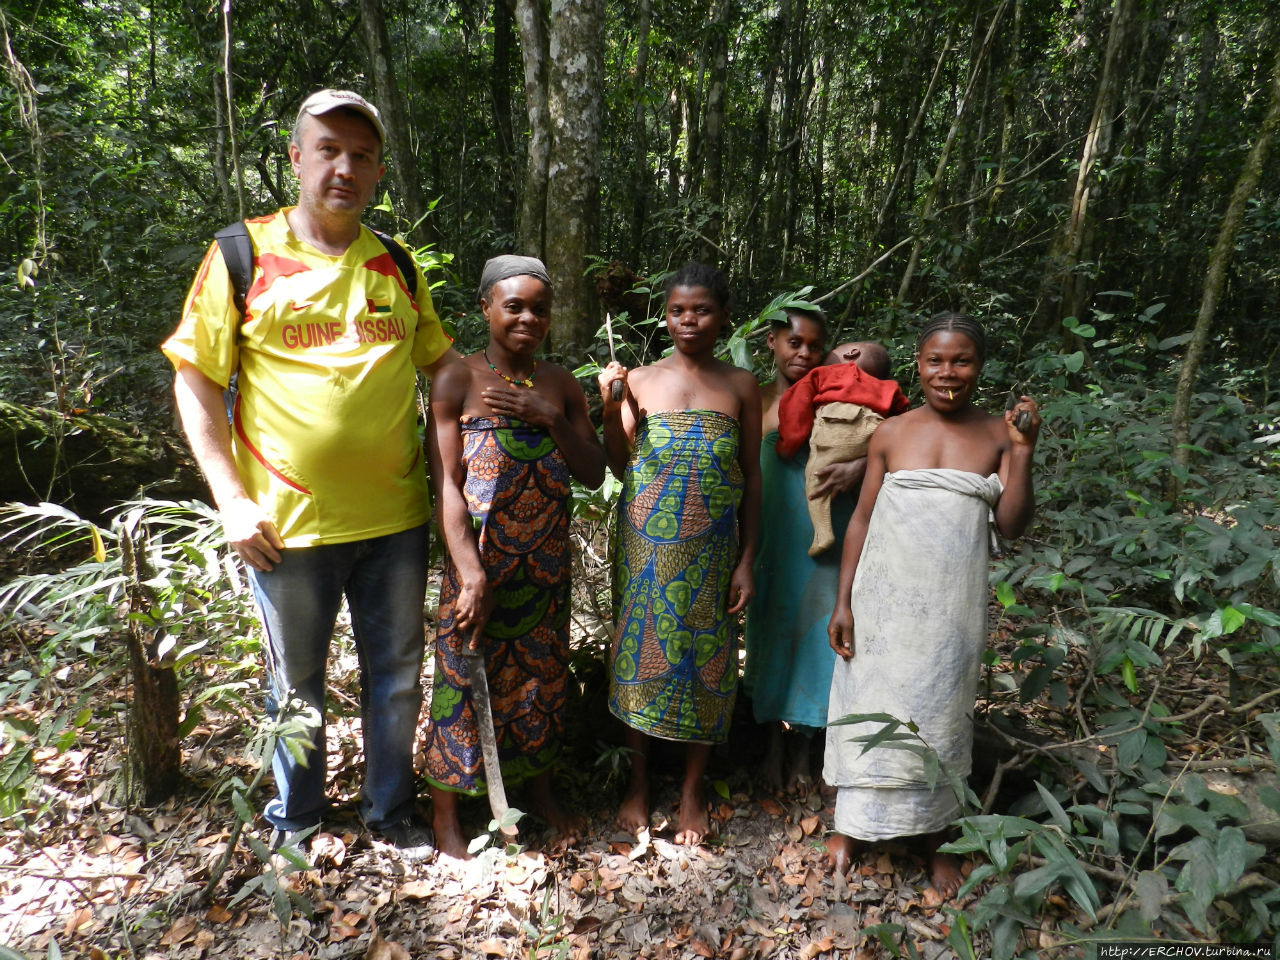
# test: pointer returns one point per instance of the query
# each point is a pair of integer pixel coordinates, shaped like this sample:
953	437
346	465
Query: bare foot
634	812
444	821
840	852
694	824
944	869
566	829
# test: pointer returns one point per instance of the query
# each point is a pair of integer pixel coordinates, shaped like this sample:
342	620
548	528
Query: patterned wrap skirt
517	490
673	665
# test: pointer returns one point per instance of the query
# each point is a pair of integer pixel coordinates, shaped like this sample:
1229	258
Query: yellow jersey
325	422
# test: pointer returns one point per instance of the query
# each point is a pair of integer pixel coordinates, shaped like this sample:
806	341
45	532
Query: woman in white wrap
913	578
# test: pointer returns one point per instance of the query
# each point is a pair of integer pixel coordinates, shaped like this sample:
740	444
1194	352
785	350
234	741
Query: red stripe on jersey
270	269
259	457
386	265
416	455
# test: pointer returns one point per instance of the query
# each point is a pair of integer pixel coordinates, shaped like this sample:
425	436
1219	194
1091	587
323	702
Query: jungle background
1093	178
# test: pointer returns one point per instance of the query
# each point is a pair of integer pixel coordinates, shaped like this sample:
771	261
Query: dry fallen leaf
794	832
326	848
579	882
702	949
931	897
816	947
182	928
809	824
770	806
416	890
204	940
380	949
494	948
339	931
218	914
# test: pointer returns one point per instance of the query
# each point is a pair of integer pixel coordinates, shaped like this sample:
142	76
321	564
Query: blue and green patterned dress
674	664
517	491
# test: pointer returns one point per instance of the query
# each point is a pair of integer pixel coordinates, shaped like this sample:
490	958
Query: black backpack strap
408	270
237	254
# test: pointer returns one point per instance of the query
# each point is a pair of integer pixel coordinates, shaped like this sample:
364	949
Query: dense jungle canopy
1096	179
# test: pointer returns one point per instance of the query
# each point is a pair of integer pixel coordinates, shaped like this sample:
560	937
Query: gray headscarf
507	266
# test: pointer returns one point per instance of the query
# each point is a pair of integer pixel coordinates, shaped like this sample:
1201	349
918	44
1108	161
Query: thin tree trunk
713	136
534	47
1215	279
573	187
153	764
641	177
377	42
1066	295
914	130
931	193
500	94
231	108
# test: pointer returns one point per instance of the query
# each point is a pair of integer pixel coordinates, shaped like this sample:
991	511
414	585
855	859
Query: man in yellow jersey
319	476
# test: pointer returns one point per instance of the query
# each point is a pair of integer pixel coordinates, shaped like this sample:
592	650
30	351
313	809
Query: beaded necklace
526	382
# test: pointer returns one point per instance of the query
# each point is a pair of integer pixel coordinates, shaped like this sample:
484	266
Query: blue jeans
384	580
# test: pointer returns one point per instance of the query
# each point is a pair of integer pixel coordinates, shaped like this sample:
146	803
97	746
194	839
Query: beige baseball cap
324	101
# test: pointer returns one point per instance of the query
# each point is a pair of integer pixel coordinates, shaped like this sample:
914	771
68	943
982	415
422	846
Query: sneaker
412	842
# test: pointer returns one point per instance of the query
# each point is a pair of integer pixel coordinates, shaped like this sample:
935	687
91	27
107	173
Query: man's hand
839	477
251	533
840	631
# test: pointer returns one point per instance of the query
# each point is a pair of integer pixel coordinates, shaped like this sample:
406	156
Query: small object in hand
615	390
1021	420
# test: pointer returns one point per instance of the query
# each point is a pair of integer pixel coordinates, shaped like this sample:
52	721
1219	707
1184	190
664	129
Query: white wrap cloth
920	627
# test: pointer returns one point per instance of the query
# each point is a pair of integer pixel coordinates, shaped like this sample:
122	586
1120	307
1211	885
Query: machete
479	680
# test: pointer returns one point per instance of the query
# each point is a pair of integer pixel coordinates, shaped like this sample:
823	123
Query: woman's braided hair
960	323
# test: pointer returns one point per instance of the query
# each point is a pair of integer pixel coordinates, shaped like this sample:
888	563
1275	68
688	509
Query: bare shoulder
561	377
453	379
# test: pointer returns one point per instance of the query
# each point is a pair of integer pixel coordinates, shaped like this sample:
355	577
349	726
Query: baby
841	403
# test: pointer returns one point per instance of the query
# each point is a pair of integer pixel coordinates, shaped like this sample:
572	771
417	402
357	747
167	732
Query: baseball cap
324	101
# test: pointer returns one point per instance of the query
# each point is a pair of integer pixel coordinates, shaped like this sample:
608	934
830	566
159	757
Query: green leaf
1004	593
1151	889
1128	675
1233	857
1056	812
721	788
243	810
1073	361
7	953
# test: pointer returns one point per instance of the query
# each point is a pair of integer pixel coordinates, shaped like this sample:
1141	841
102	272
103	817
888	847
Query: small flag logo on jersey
379	306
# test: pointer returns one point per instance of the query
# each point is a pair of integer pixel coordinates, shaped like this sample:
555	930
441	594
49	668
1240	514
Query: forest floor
89	878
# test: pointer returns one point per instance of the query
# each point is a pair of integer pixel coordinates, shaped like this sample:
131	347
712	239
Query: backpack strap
237	253
408	270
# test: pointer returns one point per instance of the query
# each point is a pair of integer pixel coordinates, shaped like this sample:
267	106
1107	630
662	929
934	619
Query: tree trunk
500	93
931	193
404	168
1219	261
1066	293
534	45
573	187
641	177
713	131
153	764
